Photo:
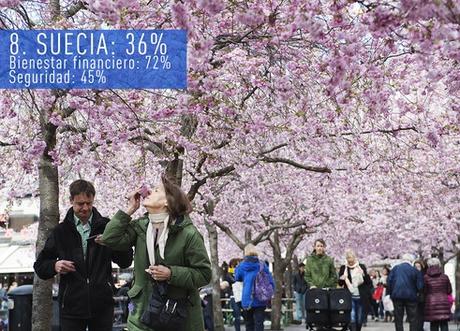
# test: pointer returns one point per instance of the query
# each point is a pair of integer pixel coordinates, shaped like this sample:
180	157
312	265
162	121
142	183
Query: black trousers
411	311
436	325
254	318
103	321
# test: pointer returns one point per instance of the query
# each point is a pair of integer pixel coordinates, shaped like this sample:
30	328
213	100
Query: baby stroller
328	309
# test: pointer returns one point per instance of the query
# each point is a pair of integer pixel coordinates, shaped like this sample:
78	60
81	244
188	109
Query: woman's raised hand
134	202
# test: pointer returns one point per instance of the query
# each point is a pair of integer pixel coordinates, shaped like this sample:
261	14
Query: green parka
320	271
185	254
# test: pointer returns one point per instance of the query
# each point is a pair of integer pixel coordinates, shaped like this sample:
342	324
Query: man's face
82	206
319	248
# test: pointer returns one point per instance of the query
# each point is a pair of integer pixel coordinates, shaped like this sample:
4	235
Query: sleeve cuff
122	216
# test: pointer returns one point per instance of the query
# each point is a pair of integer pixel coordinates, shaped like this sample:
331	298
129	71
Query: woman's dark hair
81	186
224	268
234	262
422	264
178	203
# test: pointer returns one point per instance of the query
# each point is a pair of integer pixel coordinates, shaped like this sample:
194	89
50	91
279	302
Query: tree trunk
217	317
49	218
216	306
457	281
288	289
247	236
174	170
278	275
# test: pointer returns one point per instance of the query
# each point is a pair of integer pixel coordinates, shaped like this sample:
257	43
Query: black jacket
90	288
299	283
365	289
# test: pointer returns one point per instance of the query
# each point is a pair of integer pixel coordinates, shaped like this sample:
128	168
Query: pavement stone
371	326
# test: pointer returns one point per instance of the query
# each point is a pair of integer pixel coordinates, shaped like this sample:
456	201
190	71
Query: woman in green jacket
319	268
168	247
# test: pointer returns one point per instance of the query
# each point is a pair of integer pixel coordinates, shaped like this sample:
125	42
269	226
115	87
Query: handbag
163	313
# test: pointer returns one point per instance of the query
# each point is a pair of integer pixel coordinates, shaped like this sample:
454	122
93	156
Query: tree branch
196	186
73	10
4	144
296	164
229	233
267	232
268	151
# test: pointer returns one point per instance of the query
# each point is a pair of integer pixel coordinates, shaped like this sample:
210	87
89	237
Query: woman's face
418	266
351	260
320	249
385	272
156	199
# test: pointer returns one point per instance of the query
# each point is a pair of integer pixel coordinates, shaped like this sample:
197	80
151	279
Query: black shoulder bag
163	313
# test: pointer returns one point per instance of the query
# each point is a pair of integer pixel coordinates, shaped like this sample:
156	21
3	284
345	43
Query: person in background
122	293
73	251
377	296
420	266
237	293
383	280
437	290
319	268
403	284
375	277
354	277
246	272
300	287
226	277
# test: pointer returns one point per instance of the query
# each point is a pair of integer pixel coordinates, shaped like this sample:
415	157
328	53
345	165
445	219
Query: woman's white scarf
157	219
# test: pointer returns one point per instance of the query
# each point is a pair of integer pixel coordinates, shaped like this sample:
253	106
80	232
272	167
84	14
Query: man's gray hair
434	261
408	257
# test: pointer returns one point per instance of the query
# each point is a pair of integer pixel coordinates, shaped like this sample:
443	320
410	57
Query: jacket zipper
87	276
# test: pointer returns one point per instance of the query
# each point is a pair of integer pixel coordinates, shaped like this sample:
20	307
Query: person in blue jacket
253	309
403	285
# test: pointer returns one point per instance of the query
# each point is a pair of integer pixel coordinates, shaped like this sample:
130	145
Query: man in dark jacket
73	251
300	287
403	284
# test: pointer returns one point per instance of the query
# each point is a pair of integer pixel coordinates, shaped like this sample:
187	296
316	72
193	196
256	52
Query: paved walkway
371	326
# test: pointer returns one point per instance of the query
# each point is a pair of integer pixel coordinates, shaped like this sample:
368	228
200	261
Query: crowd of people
171	265
418	289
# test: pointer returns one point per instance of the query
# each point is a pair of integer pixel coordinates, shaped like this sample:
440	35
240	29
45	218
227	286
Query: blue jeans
300	306
254	318
236	313
356	310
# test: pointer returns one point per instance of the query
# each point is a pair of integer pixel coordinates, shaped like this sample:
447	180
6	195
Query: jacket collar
177	226
97	219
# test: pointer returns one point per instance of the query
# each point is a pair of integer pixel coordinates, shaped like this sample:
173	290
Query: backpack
262	289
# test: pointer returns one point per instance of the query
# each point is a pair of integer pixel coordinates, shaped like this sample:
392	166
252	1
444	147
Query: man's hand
64	266
159	272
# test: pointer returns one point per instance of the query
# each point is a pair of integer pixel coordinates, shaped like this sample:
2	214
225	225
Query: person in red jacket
437	289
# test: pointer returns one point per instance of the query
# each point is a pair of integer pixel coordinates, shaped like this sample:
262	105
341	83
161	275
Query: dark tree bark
216	272
279	267
49	218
